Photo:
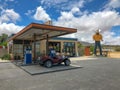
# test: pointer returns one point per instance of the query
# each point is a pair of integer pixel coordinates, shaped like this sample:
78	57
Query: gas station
25	43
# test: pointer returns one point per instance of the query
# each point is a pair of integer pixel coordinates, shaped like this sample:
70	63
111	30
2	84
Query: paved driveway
97	74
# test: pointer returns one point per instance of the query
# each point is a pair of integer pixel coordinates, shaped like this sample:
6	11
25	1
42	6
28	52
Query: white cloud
9	15
29	12
8	18
50	2
67	16
41	14
4	4
113	4
10	28
63	4
88	23
110	39
75	10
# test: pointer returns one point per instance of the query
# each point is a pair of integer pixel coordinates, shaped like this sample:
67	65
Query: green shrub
6	57
91	48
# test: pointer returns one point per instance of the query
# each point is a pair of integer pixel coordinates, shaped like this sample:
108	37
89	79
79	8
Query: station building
39	38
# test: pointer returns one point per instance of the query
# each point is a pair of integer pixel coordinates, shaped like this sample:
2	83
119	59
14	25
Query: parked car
48	61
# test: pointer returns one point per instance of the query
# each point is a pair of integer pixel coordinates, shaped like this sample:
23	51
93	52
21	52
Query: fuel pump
28	56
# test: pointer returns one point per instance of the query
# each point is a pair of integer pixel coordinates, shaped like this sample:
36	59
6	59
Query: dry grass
114	54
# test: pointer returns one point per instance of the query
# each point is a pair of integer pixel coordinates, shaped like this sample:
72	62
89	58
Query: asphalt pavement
98	73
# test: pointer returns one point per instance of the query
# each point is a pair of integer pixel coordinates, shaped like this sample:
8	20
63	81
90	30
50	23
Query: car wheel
67	62
48	64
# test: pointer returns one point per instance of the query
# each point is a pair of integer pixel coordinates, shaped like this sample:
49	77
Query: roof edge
43	26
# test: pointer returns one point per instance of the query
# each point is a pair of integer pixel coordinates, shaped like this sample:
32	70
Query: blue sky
85	15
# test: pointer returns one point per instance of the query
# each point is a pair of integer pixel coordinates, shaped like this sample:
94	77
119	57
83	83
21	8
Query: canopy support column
47	46
34	39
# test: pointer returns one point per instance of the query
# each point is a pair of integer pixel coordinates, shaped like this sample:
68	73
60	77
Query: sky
85	15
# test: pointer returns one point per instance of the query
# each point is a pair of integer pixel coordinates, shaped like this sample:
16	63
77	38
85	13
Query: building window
69	48
18	51
55	45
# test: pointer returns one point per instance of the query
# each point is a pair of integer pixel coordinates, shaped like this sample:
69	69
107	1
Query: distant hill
86	43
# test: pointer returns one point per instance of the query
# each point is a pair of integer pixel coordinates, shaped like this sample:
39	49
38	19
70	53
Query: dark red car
48	62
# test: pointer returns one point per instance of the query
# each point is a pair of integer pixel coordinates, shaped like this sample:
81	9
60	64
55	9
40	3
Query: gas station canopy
36	31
